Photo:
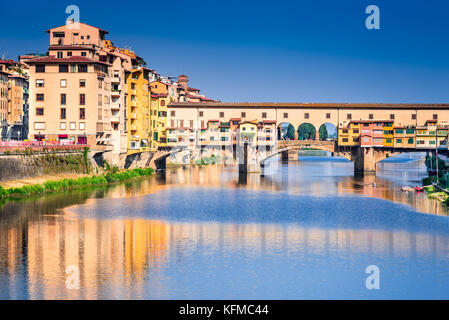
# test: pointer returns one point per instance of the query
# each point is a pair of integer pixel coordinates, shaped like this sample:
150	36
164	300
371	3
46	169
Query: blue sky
277	51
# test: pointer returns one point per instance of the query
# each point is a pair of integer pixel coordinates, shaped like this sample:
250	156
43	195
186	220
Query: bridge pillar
292	155
364	160
284	155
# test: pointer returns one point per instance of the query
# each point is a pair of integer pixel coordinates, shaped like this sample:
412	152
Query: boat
419	189
407	189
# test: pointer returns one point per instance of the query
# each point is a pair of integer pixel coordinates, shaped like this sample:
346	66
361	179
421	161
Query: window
371	116
306	116
201	114
328	115
355	131
63	114
392	116
58	34
133	86
82	68
39	126
72	125
410	140
82	83
264	115
39	97
40	68
243	114
39	111
398	140
59	55
73	68
414	116
349	116
82	99
221	114
162	103
83	54
40	83
63	99
69	53
63	83
345	139
63	68
399	131
63	126
172	113
191	123
435	116
82	126
410	131
285	115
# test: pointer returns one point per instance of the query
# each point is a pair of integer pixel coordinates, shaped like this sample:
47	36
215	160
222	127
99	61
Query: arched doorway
306	131
286	131
328	131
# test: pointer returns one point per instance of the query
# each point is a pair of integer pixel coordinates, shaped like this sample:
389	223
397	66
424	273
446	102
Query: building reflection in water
127	258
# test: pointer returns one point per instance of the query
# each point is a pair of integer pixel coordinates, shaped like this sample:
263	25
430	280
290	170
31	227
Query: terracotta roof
53	59
269	121
193	89
80	23
70	47
8	61
159	95
235	119
315	105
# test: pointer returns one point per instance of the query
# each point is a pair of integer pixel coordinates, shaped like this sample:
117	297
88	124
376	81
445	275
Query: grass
208	160
72	184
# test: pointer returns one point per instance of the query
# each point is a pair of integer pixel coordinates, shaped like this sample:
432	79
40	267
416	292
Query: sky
266	51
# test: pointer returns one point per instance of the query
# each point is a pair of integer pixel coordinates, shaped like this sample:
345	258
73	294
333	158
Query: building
404	137
3	103
249	132
349	135
70	89
15	125
138	110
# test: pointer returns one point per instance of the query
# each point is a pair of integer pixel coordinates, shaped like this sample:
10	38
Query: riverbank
433	189
66	184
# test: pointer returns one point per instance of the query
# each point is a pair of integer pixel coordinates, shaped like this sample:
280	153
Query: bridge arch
286	131
327	131
307	131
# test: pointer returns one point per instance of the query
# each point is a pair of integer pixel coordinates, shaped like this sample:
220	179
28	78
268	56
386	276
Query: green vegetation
323	132
72	184
213	159
443	180
306	131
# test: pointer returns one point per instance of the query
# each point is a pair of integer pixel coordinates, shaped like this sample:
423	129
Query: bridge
365	159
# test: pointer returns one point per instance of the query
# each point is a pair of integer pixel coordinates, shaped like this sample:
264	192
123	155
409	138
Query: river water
306	230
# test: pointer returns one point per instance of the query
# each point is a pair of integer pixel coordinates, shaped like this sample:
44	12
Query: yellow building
388	136
349	135
138	110
248	131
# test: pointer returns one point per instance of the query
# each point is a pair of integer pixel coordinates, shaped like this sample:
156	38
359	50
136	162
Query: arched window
162	103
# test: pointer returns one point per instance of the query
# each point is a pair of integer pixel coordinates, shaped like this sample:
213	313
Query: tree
323	132
306	131
291	132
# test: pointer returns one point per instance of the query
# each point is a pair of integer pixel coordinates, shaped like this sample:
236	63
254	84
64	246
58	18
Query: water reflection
240	237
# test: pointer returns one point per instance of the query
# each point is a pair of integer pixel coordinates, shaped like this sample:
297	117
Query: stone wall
14	167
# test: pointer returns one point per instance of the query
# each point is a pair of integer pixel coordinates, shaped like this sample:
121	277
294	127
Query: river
308	229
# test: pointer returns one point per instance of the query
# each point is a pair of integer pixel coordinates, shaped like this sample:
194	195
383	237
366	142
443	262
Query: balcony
101	74
116	92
